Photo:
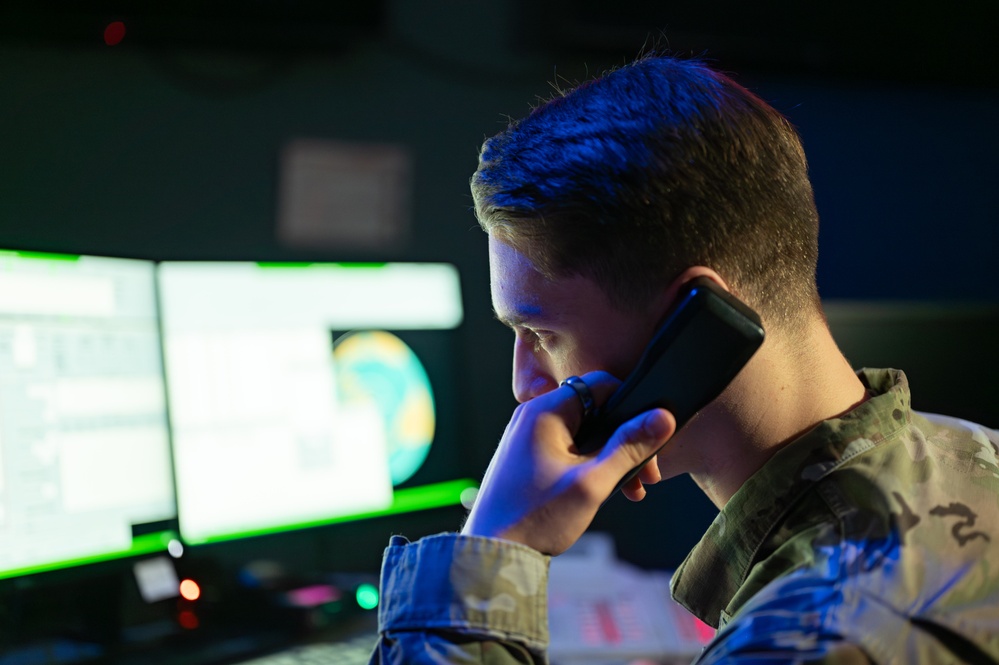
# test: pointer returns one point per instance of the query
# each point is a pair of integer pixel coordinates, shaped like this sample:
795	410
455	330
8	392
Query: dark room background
166	146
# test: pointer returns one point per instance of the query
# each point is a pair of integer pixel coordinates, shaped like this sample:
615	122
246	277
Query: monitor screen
299	393
85	470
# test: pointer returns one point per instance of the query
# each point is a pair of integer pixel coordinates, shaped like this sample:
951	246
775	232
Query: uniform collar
718	565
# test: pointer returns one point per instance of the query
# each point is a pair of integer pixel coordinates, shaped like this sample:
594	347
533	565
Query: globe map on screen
377	367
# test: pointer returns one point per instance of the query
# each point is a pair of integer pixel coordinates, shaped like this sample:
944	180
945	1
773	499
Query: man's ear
669	295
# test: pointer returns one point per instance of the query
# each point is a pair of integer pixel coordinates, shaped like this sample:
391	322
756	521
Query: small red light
188	619
114	33
190	590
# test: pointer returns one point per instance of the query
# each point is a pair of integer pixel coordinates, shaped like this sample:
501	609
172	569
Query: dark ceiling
915	41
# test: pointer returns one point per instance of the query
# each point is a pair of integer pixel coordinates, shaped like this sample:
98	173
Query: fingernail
653	426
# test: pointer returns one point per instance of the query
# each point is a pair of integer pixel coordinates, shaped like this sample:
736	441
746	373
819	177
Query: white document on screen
260	442
262	439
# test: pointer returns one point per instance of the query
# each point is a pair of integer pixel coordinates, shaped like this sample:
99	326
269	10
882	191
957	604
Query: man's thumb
636	441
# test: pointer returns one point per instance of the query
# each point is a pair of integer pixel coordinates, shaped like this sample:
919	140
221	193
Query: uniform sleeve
459	599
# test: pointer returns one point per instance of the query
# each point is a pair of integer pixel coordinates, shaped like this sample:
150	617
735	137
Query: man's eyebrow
520	315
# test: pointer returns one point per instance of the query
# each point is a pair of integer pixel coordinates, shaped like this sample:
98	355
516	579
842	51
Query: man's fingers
568	403
634	490
632	445
650	474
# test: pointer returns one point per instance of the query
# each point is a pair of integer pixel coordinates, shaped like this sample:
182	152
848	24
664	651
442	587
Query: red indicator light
190	590
188	619
114	33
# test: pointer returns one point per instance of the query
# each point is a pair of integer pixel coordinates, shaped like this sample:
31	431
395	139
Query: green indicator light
283	264
330	264
47	256
367	596
150	543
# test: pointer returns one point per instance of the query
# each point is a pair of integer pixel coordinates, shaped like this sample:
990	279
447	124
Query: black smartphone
708	336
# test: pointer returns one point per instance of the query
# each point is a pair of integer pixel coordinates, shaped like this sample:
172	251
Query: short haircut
654	167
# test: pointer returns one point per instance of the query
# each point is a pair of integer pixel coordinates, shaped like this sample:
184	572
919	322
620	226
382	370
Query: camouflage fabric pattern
459	599
873	538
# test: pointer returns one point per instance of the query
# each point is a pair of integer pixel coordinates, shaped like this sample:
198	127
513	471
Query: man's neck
785	391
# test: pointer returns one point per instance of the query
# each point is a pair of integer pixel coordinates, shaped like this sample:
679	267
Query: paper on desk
602	609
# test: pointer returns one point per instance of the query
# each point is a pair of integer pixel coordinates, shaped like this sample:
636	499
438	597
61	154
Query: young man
851	529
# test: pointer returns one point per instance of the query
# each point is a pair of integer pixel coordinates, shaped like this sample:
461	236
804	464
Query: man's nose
530	377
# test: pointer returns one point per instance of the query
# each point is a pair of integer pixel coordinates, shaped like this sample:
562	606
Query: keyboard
355	650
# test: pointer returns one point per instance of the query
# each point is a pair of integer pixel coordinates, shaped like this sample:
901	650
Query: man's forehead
521	294
517	288
506	261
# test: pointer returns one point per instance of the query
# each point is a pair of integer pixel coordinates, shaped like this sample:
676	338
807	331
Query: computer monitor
302	395
85	469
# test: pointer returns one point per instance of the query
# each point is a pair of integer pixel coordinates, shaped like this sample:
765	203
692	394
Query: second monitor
296	398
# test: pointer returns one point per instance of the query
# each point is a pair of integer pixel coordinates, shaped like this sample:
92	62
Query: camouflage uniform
872	538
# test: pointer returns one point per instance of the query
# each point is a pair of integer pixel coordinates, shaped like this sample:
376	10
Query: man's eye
539	339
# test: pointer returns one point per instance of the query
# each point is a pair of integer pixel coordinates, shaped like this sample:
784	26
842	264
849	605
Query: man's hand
540	491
